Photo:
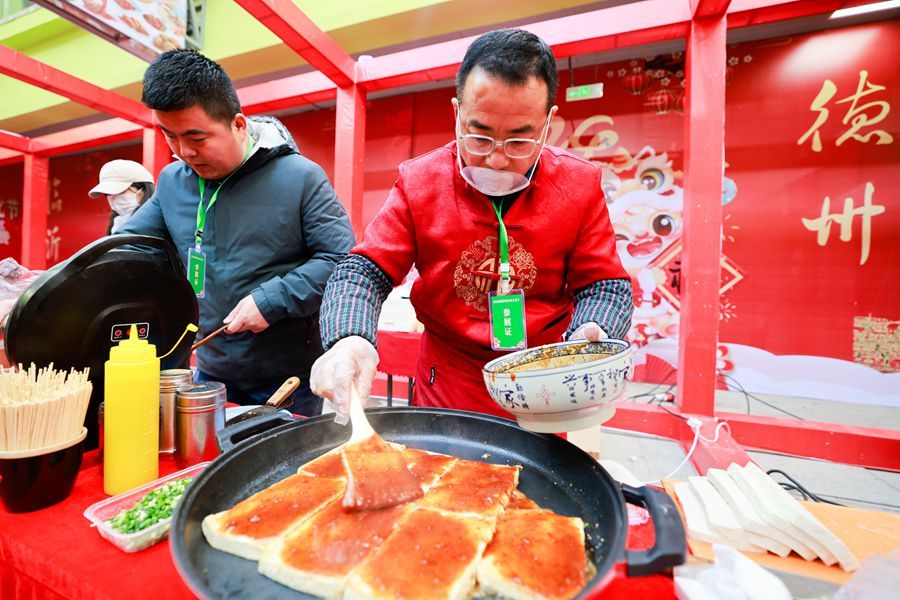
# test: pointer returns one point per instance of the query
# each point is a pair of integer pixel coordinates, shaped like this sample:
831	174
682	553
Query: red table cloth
55	553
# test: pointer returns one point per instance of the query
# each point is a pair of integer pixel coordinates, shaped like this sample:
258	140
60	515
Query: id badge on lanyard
196	267
196	270
507	317
506	306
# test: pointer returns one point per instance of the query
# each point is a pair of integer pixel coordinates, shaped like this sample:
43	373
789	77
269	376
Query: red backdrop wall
788	293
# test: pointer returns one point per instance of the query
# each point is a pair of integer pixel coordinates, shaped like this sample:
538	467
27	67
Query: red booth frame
702	23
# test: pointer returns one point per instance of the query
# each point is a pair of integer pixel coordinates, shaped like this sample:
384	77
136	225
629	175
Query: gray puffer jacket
276	231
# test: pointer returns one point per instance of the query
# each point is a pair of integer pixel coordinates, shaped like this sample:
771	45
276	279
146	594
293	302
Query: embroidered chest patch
478	271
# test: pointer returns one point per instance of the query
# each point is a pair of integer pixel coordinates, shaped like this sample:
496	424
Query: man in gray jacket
258	227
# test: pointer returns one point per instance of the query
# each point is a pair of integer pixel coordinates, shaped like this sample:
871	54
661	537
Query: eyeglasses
483	145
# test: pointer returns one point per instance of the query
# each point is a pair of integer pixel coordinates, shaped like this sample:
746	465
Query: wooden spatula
377	474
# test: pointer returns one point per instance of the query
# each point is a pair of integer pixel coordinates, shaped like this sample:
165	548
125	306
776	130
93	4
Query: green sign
584	92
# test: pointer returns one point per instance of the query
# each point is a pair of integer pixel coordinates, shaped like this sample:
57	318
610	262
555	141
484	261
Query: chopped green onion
156	506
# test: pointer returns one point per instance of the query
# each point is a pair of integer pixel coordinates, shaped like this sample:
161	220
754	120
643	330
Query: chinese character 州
822	223
857	116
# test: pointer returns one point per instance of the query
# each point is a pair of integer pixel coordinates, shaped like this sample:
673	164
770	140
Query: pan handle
670	548
232	435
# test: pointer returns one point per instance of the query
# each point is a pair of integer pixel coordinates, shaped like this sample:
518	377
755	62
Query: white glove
589	331
352	360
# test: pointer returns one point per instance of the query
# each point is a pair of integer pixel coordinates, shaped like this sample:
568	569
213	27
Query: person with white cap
126	185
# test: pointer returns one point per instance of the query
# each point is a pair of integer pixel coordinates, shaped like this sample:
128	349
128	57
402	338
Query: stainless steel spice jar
199	414
169	382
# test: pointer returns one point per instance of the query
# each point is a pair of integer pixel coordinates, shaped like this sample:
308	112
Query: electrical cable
719	426
749	395
796	484
724	381
657	386
694	424
794	488
682	417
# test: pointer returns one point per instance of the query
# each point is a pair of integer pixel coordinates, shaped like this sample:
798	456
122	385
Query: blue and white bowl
561	387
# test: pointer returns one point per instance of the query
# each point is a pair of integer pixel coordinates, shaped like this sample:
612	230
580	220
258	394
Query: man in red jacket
511	239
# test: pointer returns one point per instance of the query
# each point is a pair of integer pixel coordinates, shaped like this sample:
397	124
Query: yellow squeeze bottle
131	421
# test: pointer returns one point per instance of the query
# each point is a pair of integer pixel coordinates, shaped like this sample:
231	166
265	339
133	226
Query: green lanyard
504	242
201	210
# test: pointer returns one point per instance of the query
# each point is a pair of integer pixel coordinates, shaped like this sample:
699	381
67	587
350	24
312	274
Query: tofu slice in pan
329	464
472	487
534	554
431	555
251	525
318	555
428	467
519	501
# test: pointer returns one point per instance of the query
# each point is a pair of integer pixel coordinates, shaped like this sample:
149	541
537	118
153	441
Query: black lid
72	314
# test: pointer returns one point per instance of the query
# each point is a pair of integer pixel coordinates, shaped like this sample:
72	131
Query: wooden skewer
209	337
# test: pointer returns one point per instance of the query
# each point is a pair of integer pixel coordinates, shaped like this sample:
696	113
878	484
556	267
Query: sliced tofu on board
770	538
773	513
698	527
721	518
865	532
834	550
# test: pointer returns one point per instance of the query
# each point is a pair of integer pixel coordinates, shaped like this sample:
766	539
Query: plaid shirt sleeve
352	303
607	302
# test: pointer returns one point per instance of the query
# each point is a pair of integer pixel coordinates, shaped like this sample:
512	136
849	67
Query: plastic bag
732	577
14	280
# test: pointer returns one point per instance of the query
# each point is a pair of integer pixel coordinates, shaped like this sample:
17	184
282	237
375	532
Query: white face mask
493	182
125	203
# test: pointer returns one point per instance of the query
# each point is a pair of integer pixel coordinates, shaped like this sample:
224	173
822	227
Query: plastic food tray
100	512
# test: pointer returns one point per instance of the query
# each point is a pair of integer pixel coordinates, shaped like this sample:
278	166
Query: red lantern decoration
637	81
660	101
680	97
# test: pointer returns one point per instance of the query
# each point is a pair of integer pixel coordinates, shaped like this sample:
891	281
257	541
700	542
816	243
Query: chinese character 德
857	116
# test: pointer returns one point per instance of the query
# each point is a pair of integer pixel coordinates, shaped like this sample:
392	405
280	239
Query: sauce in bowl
553	362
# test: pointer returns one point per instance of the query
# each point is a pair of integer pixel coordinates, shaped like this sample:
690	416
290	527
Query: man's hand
245	317
590	331
351	361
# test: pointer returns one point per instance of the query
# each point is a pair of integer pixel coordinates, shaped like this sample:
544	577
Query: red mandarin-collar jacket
560	240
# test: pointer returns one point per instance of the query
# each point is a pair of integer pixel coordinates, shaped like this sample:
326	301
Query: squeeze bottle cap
132	349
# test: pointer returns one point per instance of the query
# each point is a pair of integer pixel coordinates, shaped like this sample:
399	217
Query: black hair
180	79
511	55
144	186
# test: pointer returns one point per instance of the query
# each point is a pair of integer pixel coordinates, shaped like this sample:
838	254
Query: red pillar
704	150
157	153
35	205
350	152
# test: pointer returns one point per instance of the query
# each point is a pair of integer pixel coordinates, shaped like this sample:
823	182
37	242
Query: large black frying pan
555	474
